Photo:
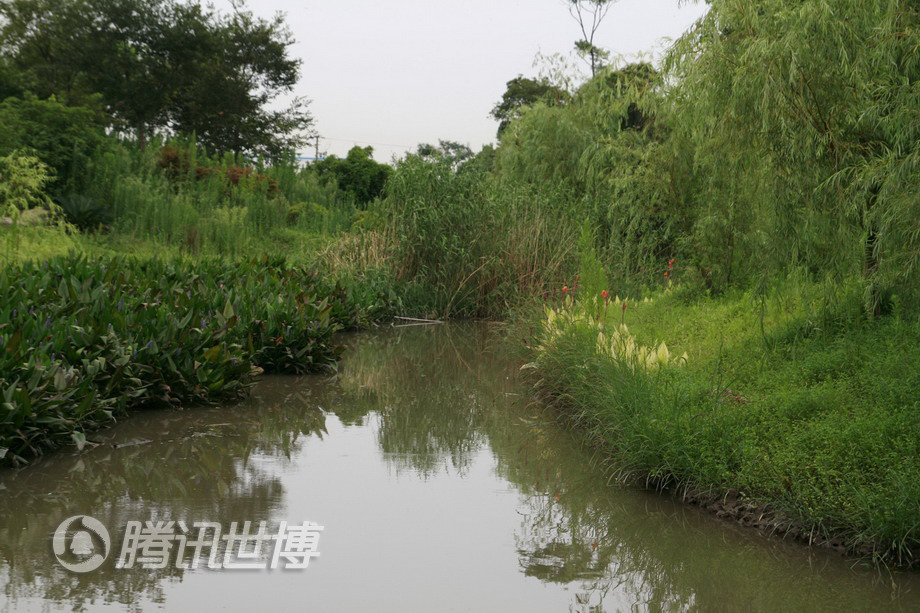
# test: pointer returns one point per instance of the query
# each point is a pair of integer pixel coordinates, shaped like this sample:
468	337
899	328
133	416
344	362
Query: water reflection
431	389
183	465
444	411
444	393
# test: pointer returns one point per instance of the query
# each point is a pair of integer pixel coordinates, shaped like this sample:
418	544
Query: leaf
13	344
79	440
60	380
213	354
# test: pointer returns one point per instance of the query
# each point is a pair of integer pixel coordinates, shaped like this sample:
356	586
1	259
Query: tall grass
467	245
785	403
174	193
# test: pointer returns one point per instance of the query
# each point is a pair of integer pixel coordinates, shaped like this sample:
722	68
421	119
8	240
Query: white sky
396	73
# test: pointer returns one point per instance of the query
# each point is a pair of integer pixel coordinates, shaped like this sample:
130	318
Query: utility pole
317	147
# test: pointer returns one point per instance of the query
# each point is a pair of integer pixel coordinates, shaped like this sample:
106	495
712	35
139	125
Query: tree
161	65
23	179
241	68
58	135
632	81
803	116
522	92
455	155
589	14
11	80
358	175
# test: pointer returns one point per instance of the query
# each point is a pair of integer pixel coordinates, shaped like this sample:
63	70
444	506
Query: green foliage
605	156
592	279
87	340
162	65
85	213
364	221
358	175
522	92
307	214
62	137
452	152
23	183
443	228
801	415
240	115
177	195
543	148
801	122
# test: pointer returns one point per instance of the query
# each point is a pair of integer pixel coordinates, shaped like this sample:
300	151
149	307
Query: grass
38	243
814	417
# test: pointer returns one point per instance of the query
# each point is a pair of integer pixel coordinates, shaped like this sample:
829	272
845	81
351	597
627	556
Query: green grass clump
85	340
815	416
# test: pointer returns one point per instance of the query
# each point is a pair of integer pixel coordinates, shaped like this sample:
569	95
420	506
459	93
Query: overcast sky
396	73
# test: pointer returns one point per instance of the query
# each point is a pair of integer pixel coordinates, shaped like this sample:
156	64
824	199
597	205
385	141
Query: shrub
85	213
308	214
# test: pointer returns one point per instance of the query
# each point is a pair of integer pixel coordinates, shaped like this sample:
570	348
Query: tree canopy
160	65
521	92
358	174
58	135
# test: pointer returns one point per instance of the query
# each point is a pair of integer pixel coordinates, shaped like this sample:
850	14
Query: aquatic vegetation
86	340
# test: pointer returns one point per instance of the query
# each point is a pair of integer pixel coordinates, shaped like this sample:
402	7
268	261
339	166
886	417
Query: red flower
604	294
671	261
624	304
565	288
667	274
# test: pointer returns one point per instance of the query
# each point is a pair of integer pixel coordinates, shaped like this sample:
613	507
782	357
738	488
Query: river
439	486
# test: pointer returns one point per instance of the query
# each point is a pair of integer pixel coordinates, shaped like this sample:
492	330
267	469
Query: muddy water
438	487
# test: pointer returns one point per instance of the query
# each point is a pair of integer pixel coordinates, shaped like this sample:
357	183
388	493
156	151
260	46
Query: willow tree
803	123
602	159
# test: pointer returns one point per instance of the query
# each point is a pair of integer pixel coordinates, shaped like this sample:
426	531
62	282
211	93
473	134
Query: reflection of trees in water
441	394
573	531
202	465
430	388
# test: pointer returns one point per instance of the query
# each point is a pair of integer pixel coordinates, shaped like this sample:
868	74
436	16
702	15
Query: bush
62	137
85	213
309	214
